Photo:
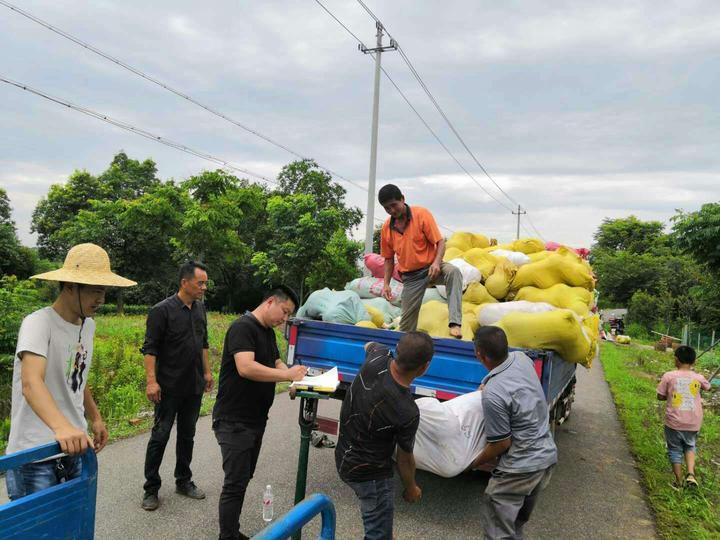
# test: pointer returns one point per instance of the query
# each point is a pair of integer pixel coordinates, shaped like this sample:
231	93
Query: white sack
450	435
489	314
516	257
469	273
431	294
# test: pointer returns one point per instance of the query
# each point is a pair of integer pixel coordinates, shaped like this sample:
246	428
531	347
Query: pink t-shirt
684	408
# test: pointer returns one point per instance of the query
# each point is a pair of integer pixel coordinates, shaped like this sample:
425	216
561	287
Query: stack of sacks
528	245
554	269
334	306
498	283
489	314
376	264
477	294
482	260
577	299
381	311
466	240
470	274
371	287
518	258
573	338
553	246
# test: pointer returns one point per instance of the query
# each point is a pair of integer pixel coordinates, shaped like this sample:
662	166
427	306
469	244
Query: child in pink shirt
683	414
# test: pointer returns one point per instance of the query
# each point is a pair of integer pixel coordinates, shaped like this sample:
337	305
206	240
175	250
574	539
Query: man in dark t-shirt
378	415
250	368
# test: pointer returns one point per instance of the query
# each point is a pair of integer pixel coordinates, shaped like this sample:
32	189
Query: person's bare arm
72	439
491	451
406	468
279	364
250	369
388	269
100	432
207	373
152	390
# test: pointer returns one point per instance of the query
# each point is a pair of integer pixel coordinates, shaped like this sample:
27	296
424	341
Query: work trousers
414	285
186	409
509	501
240	447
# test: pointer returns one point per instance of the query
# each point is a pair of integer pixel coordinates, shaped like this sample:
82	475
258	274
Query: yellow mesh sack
528	245
452	253
560	295
481	260
460	240
498	284
367	324
433	319
376	316
540	255
561	331
551	271
477	294
480	241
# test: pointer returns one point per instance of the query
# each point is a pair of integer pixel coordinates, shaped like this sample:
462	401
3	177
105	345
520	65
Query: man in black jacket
178	371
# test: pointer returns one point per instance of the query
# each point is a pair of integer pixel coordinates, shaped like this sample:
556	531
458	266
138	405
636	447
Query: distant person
50	397
683	414
412	234
177	369
517	431
251	366
379	415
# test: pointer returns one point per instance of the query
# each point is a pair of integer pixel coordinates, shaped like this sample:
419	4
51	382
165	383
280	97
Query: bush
17	299
637	331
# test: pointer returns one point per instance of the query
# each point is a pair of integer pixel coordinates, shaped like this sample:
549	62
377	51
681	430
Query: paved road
595	492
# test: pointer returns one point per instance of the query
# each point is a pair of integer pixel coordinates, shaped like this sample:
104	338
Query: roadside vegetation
633	374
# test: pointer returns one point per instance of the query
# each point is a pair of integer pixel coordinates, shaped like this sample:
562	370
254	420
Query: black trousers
187	410
240	447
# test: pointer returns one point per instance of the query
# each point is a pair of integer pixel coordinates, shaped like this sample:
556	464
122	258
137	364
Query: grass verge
633	375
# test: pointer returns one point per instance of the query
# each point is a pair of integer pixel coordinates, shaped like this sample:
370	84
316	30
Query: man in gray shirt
517	430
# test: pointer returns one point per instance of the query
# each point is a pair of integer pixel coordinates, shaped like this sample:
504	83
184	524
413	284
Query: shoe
150	502
190	490
690	481
243	537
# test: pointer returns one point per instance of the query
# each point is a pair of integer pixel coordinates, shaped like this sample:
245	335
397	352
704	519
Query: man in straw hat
50	397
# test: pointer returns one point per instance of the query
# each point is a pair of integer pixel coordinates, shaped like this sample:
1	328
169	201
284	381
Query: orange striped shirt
416	246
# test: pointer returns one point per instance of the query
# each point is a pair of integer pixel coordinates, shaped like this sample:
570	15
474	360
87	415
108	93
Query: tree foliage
698	233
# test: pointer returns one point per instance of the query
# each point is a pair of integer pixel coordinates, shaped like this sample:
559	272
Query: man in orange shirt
412	234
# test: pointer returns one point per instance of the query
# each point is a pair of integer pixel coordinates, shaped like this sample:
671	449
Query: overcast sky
578	110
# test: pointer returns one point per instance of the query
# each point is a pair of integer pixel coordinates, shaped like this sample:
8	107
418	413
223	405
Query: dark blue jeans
186	410
377	505
34	477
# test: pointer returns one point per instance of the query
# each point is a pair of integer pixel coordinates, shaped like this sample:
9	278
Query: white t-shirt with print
47	334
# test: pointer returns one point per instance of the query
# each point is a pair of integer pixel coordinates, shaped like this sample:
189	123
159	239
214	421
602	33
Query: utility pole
370	214
518	213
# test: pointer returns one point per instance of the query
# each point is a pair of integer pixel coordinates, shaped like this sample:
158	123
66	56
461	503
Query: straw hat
87	264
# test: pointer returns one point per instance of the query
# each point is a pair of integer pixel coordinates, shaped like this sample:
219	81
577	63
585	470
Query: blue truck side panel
454	368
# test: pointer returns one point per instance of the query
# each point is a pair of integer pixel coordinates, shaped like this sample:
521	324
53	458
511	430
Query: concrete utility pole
370	214
519	212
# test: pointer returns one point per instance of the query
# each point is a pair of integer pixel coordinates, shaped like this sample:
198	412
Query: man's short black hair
389	192
685	355
414	350
283	293
492	342
187	270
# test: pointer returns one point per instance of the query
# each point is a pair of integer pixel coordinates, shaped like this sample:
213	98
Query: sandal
690	481
321	440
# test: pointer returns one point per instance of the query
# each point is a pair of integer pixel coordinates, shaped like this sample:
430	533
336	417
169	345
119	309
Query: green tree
15	259
628	234
698	233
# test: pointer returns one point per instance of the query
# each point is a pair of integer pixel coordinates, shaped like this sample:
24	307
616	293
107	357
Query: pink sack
553	246
376	264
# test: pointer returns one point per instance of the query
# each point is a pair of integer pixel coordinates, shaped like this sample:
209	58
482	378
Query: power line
417	113
419	79
535	228
165	86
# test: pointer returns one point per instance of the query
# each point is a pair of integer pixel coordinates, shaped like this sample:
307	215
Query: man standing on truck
50	397
379	415
517	431
177	368
412	234
251	366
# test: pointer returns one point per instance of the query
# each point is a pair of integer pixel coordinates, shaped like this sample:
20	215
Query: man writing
517	431
251	366
178	371
379	415
412	234
50	396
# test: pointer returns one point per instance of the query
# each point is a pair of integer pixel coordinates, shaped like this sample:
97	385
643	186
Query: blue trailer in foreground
453	371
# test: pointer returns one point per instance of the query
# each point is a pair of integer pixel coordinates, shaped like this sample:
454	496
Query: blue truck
453	371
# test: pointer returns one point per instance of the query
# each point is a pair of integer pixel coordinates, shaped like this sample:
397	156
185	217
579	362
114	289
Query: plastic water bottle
268	504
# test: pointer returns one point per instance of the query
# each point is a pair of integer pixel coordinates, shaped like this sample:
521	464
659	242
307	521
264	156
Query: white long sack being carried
450	435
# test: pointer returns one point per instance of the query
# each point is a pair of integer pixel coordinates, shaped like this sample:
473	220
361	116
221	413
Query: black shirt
240	399
176	335
377	414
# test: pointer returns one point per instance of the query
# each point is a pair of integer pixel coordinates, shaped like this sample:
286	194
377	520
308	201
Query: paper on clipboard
326	382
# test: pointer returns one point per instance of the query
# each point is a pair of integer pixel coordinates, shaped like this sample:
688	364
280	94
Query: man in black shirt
178	371
378	415
250	368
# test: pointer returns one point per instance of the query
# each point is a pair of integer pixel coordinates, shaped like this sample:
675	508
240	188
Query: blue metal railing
66	510
300	515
